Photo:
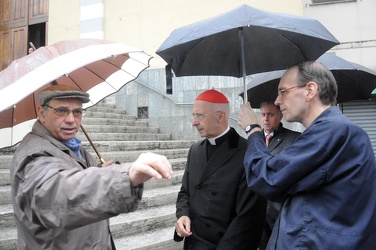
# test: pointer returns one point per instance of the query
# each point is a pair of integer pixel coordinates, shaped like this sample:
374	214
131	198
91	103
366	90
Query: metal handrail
165	96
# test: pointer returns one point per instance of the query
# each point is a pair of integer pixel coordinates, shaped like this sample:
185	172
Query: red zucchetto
213	96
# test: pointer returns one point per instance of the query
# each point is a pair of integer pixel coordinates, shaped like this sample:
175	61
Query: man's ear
222	116
40	112
313	90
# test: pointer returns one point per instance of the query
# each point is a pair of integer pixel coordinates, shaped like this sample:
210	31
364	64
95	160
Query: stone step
8	238
106	109
157	210
108	121
159	196
119	129
125	137
130	156
142	221
123	141
111	146
153	186
4	177
177	164
108	115
116	134
157	239
175	180
126	156
5	161
5	195
6	216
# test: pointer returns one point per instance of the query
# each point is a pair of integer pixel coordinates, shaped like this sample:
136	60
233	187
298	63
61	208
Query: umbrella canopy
244	41
355	82
97	67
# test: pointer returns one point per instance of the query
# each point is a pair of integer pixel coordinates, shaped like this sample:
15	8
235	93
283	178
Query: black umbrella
355	82
244	41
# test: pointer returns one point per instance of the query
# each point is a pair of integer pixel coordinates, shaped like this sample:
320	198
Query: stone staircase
119	137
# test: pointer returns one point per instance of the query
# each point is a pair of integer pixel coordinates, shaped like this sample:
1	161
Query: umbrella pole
92	144
243	64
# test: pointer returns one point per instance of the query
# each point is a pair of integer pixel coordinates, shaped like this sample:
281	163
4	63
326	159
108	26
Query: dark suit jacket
224	212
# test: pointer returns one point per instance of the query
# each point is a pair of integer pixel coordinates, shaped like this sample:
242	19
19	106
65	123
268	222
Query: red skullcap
213	96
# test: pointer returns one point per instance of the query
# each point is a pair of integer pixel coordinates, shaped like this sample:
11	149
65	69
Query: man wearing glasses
326	180
215	208
61	198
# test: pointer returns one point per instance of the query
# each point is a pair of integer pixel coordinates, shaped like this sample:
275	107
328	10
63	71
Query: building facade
353	23
146	24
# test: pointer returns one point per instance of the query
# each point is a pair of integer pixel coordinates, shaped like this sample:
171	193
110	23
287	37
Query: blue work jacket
326	181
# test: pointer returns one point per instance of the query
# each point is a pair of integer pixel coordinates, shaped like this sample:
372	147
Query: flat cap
61	91
213	96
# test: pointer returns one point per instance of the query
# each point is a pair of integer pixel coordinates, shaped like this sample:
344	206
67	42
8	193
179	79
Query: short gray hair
316	72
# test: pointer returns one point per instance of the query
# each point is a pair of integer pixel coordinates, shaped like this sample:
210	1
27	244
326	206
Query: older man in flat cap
215	208
61	198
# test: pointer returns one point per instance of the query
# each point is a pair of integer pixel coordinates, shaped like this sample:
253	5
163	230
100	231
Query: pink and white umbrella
98	67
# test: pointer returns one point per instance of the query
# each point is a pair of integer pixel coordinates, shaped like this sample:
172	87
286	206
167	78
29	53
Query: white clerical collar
212	140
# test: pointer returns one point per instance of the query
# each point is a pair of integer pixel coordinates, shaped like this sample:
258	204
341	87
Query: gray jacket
62	202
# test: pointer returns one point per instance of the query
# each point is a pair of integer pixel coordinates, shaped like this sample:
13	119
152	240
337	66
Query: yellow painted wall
146	24
64	20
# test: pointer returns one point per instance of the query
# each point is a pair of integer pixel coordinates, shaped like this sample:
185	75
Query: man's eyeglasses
282	92
65	112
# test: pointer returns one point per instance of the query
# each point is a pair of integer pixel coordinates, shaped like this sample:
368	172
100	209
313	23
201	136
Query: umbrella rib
78	86
305	57
120	68
100	76
93	72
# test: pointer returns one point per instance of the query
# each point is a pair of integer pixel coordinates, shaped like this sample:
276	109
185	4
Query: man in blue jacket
327	178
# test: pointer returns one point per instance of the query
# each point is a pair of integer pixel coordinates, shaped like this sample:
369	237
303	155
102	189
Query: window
143	112
37	34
